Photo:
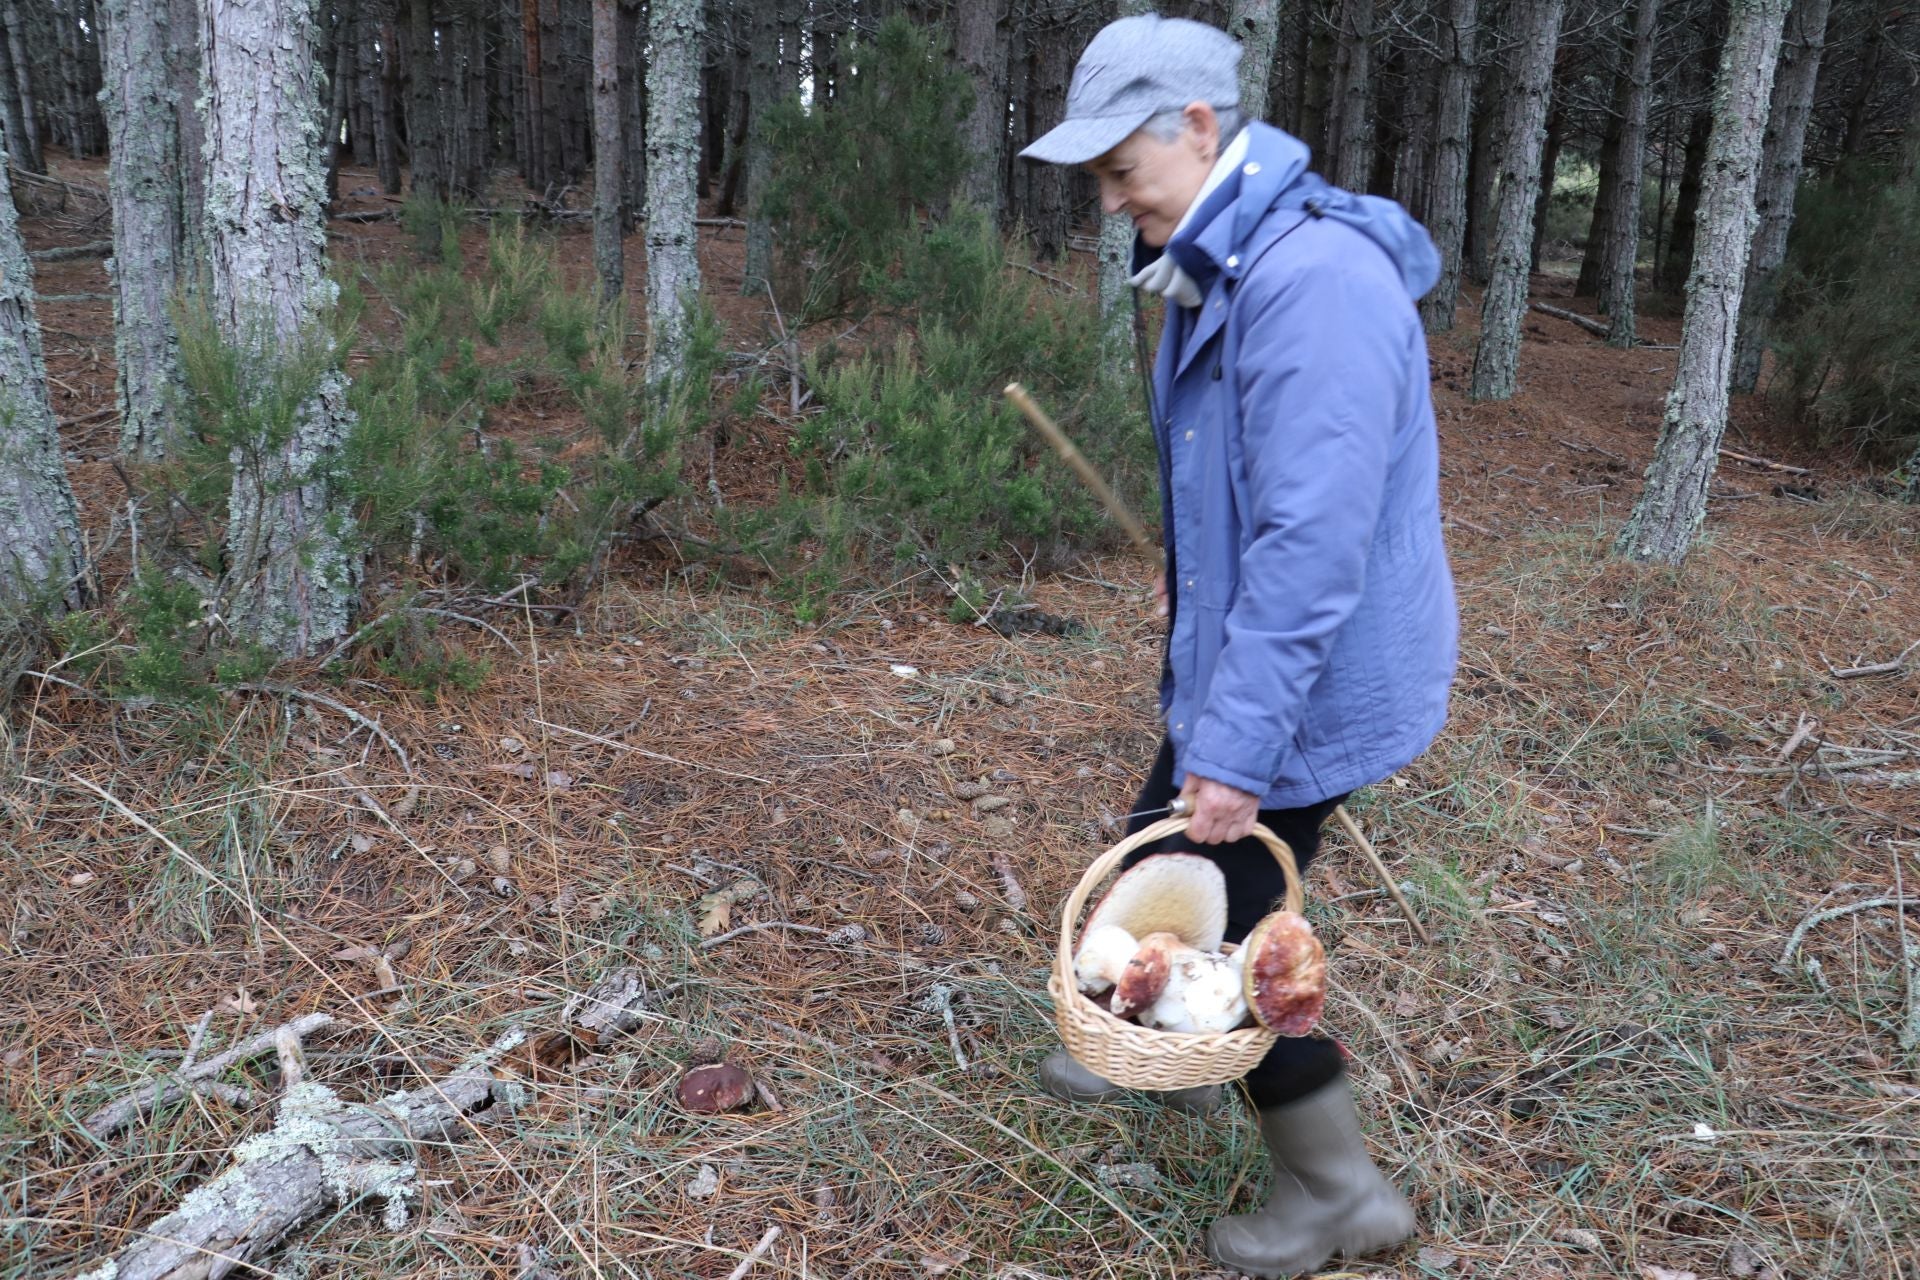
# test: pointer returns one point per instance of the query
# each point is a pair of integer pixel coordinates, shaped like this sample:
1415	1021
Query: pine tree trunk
190	130
1453	146
39	522
1316	84
426	143
33	159
386	104
673	160
533	145
1256	25
1115	256
292	564
143	181
337	84
1413	119
14	136
1353	147
1048	216
1675	500
1549	173
633	106
1782	154
1484	168
608	152
763	90
1593	259
1853	137
980	45
1677	265
1495	364
1623	222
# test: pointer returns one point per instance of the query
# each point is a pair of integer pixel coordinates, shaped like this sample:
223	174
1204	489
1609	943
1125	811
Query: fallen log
1572	317
325	1154
65	253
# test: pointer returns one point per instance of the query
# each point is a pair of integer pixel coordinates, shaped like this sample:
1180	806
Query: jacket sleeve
1322	366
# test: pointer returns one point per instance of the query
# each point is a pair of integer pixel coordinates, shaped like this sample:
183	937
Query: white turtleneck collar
1163	275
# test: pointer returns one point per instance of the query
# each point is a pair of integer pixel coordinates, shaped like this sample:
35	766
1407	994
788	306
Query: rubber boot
1063	1077
1327	1196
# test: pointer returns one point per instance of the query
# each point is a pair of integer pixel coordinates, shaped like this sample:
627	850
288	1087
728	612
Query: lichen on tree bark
673	155
292	557
1675	500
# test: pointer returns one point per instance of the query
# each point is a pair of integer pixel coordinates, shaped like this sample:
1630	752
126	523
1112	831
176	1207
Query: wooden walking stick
1137	532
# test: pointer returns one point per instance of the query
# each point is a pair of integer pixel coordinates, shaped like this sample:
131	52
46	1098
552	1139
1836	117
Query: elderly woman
1312	626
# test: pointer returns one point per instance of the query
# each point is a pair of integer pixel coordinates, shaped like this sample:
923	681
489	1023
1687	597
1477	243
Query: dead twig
760	927
1784	964
1572	317
1765	464
199	1077
759	1252
1895	667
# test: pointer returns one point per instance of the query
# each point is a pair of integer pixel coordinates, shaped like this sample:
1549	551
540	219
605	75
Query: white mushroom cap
1203	994
1178	893
1103	955
1286	974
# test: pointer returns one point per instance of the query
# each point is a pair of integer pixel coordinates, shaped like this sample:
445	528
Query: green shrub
853	177
1847	347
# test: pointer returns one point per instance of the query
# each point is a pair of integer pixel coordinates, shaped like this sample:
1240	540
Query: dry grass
1613	882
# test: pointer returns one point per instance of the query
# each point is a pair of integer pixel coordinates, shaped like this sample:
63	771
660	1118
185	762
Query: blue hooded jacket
1314	630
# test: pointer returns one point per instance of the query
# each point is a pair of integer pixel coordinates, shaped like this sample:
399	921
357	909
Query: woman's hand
1220	814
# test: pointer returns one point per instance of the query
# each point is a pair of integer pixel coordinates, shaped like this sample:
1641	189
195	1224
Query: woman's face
1155	182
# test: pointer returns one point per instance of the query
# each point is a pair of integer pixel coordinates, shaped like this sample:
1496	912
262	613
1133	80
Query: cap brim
1088	138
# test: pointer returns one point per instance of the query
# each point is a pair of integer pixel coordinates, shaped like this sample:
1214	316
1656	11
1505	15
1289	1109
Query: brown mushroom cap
1178	893
1286	976
713	1089
1145	976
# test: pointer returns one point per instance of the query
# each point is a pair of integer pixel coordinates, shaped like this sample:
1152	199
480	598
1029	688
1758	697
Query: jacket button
1189	435
1189	584
1252	169
1233	260
1180	726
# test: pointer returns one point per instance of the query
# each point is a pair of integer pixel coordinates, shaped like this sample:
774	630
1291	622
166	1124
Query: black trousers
1295	1066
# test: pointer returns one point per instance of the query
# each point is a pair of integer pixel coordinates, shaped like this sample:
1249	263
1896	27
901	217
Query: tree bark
337	84
1484	168
1675	500
1782	154
427	149
1256	25
1353	146
1115	255
1853	137
673	161
633	107
39	522
1496	361
1677	265
190	129
1593	260
1048	215
608	152
764	89
980	43
149	215
533	146
386	104
1623	223
32	158
292	563
1453	146
1549	173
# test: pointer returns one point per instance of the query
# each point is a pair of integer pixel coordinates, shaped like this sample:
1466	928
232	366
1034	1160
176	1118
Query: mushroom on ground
712	1089
1178	893
1103	956
1146	974
1286	974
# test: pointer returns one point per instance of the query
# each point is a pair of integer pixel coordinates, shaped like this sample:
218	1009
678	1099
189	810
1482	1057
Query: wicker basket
1140	1057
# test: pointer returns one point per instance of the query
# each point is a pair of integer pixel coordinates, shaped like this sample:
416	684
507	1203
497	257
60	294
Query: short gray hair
1166	126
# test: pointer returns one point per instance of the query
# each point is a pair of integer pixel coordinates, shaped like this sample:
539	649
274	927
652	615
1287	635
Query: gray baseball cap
1133	70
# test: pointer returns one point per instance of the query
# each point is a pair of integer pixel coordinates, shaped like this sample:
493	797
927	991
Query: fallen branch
325	1154
322	1154
45	298
197	1077
1785	964
759	1252
1572	317
1765	464
1895	667
66	253
372	726
761	927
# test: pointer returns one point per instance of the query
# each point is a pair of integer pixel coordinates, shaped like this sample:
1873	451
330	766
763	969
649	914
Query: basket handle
1103	866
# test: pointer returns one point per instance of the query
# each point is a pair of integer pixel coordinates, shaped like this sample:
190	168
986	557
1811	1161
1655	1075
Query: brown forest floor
1599	1072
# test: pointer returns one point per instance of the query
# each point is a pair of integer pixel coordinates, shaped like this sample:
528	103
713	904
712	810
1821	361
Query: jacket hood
1275	177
